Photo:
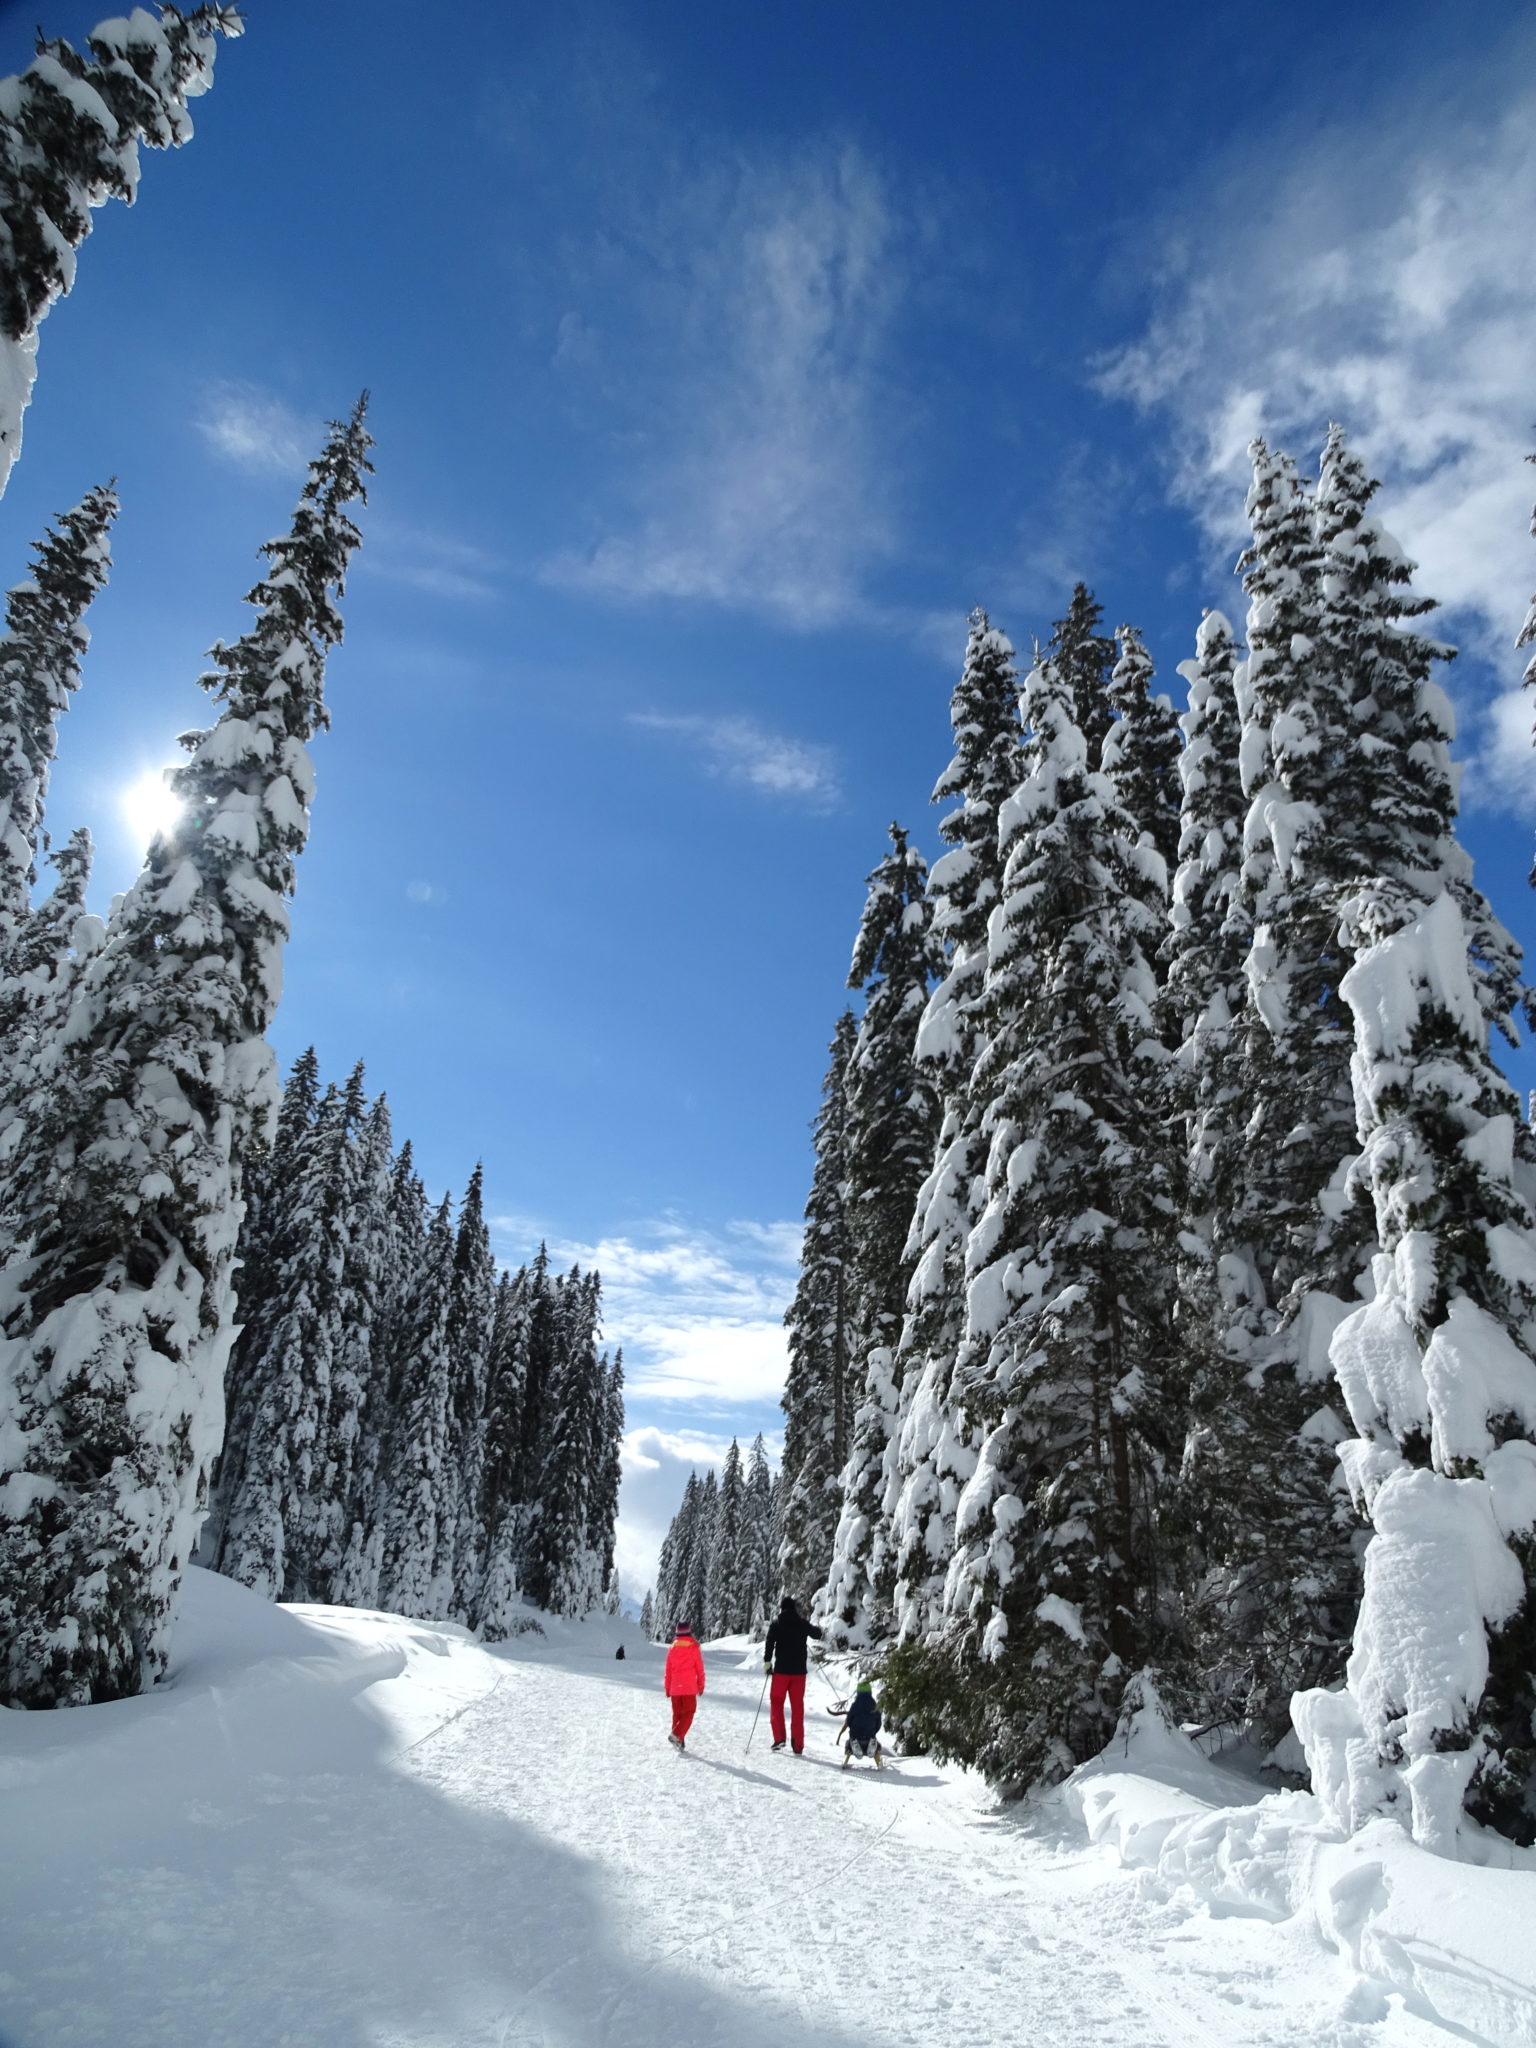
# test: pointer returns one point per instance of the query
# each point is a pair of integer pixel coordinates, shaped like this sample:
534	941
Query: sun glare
148	807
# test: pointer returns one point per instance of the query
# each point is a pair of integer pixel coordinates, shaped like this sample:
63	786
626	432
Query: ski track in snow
541	1870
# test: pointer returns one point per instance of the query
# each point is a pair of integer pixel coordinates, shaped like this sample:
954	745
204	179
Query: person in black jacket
784	1654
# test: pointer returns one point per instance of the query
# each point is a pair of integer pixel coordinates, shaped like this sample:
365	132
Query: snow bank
1450	1939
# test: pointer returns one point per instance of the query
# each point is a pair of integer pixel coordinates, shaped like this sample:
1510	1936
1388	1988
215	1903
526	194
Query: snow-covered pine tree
1344	754
360	1416
1204	995
117	1297
676	1561
46	954
932	1461
1085	660
1402	721
1142	747
723	1606
648	1615
1284	1556
693	1603
40	656
1054	1593
70	129
1439	1375
816	1398
506	1374
758	1547
272	1177
276	1493
891	1122
420	1488
327	1512
470	1328
608	1473
561	1572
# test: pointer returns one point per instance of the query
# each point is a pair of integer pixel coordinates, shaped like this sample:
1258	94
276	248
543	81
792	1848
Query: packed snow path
420	1842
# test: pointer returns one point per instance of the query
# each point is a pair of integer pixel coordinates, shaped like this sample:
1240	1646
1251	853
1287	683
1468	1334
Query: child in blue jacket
862	1722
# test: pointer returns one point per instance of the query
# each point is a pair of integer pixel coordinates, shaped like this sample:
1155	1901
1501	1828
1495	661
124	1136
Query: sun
148	807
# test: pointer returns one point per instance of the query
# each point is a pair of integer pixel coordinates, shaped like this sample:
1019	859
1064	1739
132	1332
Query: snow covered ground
334	1829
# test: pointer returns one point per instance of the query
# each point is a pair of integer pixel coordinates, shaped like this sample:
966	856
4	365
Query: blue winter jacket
863	1717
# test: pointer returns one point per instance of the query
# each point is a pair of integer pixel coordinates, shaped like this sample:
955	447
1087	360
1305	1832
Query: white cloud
255	430
656	1465
770	290
742	751
428	558
700	1317
1383	280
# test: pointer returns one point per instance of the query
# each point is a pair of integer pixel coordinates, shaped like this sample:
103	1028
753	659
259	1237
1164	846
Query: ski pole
760	1698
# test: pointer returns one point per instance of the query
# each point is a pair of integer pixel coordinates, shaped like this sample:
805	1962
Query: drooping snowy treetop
70	130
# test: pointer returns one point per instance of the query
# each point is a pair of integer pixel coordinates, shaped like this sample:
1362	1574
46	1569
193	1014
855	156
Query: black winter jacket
785	1647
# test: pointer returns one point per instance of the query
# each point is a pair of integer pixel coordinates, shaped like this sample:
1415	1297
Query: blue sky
721	359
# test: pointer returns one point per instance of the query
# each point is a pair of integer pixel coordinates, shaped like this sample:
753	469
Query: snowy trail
526	1863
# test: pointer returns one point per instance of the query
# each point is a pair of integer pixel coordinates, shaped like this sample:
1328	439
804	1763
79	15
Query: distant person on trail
619	1653
684	1681
784	1654
862	1722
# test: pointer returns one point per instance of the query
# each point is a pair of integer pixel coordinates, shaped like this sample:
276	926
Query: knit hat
682	1628
864	1686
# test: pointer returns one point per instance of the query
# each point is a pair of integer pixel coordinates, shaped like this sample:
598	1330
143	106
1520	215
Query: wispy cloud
700	1315
429	558
739	750
763	477
1383	279
255	430
656	1463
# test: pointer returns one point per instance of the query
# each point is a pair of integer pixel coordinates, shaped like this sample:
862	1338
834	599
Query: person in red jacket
684	1681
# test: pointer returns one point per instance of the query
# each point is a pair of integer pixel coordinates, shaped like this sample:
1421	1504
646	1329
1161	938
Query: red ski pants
684	1705
788	1686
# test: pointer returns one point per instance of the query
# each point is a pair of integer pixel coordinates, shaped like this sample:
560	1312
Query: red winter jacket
685	1668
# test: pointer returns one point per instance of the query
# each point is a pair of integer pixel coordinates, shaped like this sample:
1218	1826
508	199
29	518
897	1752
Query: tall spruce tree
1439	1372
932	1463
1291	1238
360	1413
693	1603
117	1299
608	1474
724	1610
1218	1504
675	1565
421	1492
562	1567
501	1504
271	1515
816	1400
1054	1592
272	1178
1142	748
40	656
470	1328
891	1123
1085	660
758	1546
70	130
